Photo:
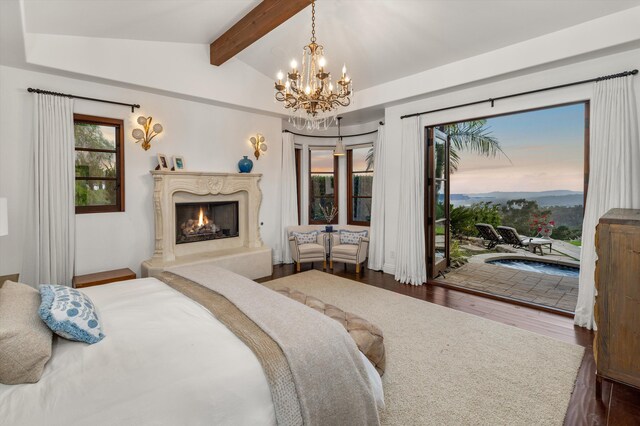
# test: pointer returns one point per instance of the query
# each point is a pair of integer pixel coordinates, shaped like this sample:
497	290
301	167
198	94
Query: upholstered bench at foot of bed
368	337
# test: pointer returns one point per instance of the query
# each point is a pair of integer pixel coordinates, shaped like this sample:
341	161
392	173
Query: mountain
560	197
527	195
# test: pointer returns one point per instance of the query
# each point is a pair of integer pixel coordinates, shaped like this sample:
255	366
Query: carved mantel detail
167	184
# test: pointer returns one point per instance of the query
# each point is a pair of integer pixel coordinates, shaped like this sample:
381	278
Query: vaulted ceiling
395	50
380	40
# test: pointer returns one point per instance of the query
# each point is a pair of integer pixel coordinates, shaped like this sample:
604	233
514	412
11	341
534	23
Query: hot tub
538	266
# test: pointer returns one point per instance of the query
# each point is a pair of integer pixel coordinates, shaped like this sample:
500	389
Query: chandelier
309	93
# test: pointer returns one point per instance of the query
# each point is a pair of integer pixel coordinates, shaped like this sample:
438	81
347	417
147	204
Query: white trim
360	145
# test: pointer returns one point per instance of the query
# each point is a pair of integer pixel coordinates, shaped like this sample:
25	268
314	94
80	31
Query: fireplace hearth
204	221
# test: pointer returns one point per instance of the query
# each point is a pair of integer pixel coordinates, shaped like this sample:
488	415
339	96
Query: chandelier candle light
309	93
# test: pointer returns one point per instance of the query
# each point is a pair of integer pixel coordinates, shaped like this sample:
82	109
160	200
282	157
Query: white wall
563	74
309	141
210	138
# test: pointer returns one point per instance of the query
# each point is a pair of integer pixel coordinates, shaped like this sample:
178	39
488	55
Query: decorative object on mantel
258	145
163	164
178	162
329	215
339	151
4	218
245	164
145	136
310	94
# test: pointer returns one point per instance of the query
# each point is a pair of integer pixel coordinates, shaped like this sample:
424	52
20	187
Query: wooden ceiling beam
266	16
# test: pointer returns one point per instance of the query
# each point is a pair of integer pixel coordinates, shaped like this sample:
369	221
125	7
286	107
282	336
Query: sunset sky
546	149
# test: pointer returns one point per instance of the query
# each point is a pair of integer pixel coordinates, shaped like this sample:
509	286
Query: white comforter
165	361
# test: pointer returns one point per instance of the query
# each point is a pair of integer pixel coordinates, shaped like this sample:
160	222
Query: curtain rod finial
634	72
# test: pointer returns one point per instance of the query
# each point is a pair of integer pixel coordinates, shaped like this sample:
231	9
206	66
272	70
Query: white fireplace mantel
246	253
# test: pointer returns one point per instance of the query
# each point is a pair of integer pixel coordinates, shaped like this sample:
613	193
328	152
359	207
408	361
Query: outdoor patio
553	291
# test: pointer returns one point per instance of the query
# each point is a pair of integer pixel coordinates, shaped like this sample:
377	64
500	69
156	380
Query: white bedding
165	360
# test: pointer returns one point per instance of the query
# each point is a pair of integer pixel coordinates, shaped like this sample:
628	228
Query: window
99	164
323	184
360	170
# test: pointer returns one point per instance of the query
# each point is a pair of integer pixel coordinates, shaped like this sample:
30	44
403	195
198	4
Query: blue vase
245	165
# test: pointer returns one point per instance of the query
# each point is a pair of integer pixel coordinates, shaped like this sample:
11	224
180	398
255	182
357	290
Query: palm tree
473	136
369	159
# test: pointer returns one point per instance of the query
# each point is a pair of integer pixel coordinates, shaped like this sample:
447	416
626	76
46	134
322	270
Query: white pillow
352	237
306	237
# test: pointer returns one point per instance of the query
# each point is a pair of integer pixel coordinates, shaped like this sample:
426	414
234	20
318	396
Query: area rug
446	367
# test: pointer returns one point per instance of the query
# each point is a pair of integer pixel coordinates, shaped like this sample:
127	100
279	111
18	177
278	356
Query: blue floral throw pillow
69	313
351	237
306	237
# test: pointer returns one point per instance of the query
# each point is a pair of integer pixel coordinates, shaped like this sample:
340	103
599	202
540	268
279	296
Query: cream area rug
446	367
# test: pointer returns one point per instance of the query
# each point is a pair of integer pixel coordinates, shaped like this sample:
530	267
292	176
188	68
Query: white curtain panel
50	232
410	251
376	228
289	189
614	175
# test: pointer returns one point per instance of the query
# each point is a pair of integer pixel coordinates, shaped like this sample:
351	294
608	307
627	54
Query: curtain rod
336	136
47	92
492	100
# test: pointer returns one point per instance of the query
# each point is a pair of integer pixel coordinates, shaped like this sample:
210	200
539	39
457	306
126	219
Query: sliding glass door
437	205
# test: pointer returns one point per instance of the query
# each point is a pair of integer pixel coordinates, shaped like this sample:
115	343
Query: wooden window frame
335	189
350	196
119	151
298	159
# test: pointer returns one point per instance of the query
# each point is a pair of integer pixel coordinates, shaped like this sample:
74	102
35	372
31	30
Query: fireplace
204	221
205	217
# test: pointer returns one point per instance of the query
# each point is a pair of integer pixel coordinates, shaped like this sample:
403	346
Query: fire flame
202	219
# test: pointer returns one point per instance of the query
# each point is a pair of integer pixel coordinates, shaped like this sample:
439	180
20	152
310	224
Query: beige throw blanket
324	366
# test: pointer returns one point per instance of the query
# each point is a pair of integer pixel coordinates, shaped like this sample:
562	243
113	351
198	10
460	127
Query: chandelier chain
313	22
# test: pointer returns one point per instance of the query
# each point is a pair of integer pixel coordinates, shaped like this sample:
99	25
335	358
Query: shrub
464	219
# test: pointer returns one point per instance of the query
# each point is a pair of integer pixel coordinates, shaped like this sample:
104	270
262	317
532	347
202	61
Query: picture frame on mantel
163	163
178	162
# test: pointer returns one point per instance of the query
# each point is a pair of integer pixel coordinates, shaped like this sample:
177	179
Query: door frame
587	131
436	268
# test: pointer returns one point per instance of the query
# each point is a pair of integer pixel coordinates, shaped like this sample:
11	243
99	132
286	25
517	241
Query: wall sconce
145	136
258	145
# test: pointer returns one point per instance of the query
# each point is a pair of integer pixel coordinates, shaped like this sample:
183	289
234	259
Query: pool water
541	267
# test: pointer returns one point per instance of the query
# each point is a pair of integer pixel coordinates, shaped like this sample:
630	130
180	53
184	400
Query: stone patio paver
544	289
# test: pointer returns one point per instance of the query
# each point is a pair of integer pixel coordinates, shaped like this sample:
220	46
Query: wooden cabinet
617	308
106	277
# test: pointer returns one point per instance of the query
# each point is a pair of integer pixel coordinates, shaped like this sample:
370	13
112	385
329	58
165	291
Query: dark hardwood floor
620	405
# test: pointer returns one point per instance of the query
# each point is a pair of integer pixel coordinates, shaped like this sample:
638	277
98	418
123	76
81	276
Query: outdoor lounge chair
511	236
489	235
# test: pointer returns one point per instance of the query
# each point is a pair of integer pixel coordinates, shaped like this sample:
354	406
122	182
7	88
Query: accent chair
303	250
353	250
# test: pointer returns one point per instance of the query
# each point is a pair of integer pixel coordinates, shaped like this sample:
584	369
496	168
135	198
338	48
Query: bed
166	360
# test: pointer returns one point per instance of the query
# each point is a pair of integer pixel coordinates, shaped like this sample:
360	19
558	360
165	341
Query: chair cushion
368	337
25	341
306	237
308	250
351	237
345	250
70	313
